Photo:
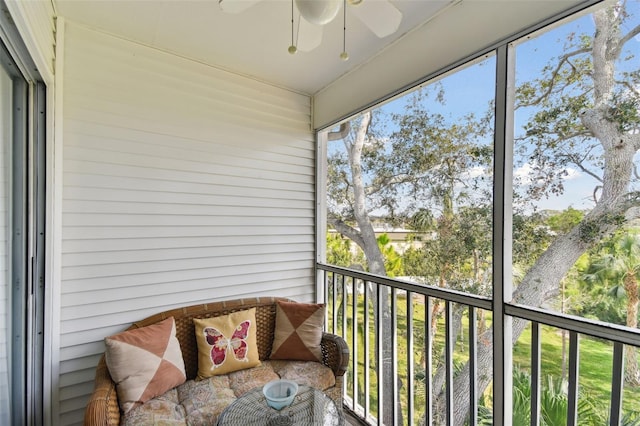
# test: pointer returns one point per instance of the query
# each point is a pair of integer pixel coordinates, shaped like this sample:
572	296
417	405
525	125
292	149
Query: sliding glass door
6	98
21	242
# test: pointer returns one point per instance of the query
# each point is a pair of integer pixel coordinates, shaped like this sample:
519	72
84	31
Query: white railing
369	310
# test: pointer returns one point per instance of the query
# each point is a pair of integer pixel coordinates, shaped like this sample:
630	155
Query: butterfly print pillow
236	345
226	343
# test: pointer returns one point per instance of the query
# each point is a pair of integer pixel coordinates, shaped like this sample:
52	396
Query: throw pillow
226	343
298	331
145	362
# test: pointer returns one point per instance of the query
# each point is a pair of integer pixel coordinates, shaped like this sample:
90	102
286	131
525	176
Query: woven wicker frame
103	409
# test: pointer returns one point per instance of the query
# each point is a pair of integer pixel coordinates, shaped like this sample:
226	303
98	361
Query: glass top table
309	407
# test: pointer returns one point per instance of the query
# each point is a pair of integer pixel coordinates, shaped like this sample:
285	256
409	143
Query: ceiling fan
380	16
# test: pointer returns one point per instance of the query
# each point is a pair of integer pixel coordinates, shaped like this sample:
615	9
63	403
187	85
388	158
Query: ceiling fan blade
236	6
380	16
309	35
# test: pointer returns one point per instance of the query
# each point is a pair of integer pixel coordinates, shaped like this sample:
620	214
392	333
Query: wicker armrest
103	408
335	353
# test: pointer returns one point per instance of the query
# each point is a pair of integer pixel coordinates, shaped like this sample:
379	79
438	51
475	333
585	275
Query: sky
471	90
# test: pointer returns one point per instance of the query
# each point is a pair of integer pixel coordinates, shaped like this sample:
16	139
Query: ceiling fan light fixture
319	12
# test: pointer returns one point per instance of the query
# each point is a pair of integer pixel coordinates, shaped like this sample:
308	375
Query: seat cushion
164	409
204	400
200	402
243	381
308	373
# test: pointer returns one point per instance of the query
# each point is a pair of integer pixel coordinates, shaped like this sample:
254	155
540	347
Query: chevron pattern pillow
145	362
298	331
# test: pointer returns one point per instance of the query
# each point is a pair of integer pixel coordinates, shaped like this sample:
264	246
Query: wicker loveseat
103	408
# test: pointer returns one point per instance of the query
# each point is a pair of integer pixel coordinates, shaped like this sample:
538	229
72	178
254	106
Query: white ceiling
252	43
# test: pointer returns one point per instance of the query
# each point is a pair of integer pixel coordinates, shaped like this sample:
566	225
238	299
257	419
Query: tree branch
634	138
629	87
595	193
346	230
579	165
552	79
375	188
342	133
628	36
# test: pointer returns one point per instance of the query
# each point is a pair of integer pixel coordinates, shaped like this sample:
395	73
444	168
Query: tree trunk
365	237
610	210
545	274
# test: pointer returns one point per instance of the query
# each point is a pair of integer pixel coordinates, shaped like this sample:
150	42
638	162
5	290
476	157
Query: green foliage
566	220
624	111
339	252
553	403
531	238
417	264
415	167
592	230
422	220
604	274
392	260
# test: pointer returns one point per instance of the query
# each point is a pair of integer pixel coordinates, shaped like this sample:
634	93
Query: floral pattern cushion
243	381
205	398
200	402
162	410
308	373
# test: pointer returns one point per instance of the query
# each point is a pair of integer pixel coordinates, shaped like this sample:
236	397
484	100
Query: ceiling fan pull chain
292	49
344	55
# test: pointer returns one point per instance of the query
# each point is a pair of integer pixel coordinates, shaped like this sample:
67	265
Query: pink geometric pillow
145	362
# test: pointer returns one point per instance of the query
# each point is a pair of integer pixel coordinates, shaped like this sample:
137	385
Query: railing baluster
325	283
535	373
379	346
617	384
428	348
367	351
574	351
428	361
394	353
449	360
473	367
354	339
334	295
410	360
344	307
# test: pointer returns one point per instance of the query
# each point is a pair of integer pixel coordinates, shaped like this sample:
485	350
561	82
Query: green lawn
595	358
595	367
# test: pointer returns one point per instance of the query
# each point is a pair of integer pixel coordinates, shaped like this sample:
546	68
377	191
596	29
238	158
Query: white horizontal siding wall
182	184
